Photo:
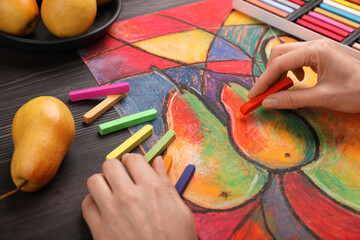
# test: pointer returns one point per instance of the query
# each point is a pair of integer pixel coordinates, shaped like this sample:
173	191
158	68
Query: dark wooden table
54	212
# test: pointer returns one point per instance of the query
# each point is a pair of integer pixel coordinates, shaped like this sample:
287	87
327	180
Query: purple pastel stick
331	21
99	91
185	179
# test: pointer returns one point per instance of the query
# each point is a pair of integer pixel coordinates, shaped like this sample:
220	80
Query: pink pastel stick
99	91
332	22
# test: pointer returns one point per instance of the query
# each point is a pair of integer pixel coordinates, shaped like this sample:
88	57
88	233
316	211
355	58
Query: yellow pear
68	18
18	17
103	2
43	129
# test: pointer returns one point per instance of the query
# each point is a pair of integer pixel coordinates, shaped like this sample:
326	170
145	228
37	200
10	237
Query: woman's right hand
338	83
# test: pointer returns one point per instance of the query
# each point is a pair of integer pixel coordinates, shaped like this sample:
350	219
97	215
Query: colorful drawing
272	174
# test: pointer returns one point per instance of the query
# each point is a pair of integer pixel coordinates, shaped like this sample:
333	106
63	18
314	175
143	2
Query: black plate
42	40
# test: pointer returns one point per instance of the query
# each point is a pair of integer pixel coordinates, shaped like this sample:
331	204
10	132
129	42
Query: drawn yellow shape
273	42
238	18
310	77
188	46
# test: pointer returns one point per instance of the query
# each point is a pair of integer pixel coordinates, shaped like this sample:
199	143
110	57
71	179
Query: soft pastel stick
102	107
160	146
325	25
348	4
289	4
131	143
337	18
127	121
332	22
99	91
340	12
278	6
185	179
256	101
319	30
298	2
342	7
355	1
167	162
356	46
268	8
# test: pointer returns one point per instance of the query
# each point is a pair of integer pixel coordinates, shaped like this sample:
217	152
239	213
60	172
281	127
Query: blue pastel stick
278	6
340	12
185	178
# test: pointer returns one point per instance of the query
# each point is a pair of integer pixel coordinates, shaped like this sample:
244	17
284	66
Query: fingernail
270	103
250	92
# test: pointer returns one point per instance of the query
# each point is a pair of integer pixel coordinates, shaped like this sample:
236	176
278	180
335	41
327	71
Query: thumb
293	99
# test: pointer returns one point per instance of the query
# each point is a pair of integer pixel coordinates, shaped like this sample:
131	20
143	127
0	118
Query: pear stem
13	191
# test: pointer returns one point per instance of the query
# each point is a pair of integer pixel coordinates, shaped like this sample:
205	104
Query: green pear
19	17
43	130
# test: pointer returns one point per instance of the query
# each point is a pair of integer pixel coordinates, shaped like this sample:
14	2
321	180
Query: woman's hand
338	86
145	206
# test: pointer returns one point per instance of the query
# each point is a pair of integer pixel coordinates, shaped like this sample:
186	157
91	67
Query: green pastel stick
127	121
160	146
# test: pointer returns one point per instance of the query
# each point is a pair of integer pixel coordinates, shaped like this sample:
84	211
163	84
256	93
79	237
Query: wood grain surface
54	212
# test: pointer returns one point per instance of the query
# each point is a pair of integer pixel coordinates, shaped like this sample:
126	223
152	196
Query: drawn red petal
322	215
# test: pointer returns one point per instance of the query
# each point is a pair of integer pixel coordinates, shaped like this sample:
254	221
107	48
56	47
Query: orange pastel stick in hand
257	101
167	162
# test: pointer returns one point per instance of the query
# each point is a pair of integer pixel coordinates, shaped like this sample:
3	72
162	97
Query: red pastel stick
325	25
256	101
319	30
298	2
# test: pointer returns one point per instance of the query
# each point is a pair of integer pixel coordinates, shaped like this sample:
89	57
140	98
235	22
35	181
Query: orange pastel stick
355	1
256	101
268	8
102	107
337	18
167	162
356	46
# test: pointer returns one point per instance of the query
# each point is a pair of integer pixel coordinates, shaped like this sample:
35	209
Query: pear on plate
68	18
19	17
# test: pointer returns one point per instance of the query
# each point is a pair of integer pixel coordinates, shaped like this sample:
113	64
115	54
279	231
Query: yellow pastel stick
337	18
131	143
102	107
348	4
167	162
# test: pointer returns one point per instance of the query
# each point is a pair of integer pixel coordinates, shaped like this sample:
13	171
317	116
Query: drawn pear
276	139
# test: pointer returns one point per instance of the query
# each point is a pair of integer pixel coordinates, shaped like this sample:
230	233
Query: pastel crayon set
114	93
338	20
